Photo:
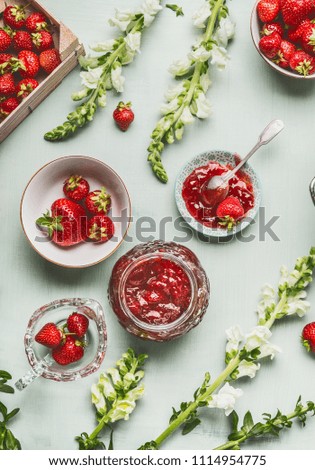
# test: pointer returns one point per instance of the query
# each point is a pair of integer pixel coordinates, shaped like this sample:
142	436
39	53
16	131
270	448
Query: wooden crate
69	48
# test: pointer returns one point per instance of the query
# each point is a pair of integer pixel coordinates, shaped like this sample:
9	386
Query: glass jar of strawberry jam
159	290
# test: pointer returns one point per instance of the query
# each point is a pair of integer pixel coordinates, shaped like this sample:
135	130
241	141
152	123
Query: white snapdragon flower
167	108
149	9
234	337
205	82
204	106
225	399
289	277
98	399
105	46
225	32
128	57
91	78
297	305
133	41
187	117
200	54
268	298
86	61
247	369
122	411
219	57
267	350
174	91
117	79
257	337
122	19
179	67
201	15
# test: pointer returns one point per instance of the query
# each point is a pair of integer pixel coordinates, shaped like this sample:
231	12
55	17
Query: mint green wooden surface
245	98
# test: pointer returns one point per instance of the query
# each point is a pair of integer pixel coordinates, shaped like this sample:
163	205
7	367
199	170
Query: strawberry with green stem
100	228
229	212
25	87
30	64
72	350
302	63
8	106
308	337
123	115
98	201
76	188
14	16
50	335
78	324
36	22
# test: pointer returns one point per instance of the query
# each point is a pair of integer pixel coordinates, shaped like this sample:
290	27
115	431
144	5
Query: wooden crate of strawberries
36	52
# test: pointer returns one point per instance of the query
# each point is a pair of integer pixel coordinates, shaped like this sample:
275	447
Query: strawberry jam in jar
159	290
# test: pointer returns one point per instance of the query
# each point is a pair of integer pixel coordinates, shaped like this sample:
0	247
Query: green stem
232	444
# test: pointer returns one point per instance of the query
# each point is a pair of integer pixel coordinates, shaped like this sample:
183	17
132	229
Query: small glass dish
39	357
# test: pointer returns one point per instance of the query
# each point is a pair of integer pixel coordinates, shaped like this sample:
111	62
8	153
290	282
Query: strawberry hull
69	48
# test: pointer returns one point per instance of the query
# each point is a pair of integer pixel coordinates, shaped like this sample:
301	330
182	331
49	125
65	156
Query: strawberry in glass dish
100	228
66	223
77	324
76	188
71	351
98	201
49	335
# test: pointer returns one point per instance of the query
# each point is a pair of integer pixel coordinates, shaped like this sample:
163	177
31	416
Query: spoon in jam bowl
216	188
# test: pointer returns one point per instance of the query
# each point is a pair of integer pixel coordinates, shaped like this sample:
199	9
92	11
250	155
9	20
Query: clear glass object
39	357
134	260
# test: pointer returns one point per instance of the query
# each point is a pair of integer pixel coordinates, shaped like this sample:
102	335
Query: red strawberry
22	41
302	63
5	40
270	45
30	62
66	224
42	40
308	38
8	63
14	16
7	106
78	324
123	115
76	188
286	51
50	335
295	32
36	22
49	60
295	11
100	228
308	336
229	211
7	84
269	28
98	202
268	10
25	87
71	351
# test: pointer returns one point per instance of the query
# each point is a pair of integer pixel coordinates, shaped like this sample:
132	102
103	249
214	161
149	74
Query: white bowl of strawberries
283	32
75	211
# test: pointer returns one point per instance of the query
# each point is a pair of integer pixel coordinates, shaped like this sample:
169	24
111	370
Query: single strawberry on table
76	188
49	335
268	10
8	105
5	40
30	63
295	11
71	351
308	336
36	22
270	45
302	63
78	324
14	16
123	115
42	40
7	84
229	212
66	223
49	60
22	41
100	228
98	201
25	87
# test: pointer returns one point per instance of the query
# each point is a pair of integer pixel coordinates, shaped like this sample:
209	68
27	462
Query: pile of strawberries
26	49
288	33
67	342
68	222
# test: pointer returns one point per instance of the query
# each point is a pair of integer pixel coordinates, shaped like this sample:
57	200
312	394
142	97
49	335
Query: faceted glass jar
151	272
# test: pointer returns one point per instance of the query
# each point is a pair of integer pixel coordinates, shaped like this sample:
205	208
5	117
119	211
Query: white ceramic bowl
255	28
223	157
47	185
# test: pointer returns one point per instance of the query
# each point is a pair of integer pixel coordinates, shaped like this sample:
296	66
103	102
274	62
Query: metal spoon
216	189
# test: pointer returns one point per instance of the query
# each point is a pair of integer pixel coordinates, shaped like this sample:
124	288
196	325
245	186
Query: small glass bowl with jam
159	290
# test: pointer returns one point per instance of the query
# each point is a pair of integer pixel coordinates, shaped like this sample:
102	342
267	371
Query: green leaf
10	442
248	422
6	388
111	442
3	410
178	10
13	413
5	375
190	426
234	421
152	445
